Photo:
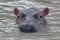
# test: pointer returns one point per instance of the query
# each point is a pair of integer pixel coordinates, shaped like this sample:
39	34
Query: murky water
9	29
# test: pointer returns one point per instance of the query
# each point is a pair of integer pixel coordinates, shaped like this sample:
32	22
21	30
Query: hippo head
31	20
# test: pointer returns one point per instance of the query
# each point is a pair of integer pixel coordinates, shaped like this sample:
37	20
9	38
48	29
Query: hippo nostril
27	28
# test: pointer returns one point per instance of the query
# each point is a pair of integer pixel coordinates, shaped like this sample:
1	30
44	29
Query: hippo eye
17	16
23	15
35	16
40	16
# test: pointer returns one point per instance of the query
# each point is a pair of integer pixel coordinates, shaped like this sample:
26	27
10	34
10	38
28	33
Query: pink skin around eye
44	12
17	11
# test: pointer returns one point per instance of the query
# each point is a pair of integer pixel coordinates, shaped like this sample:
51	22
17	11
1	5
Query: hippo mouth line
32	30
29	31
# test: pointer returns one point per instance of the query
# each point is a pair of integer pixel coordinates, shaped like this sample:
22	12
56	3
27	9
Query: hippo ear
16	11
45	11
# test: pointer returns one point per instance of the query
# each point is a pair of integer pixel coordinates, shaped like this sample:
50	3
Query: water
9	29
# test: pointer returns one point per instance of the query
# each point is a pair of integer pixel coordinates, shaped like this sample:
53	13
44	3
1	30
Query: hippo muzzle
28	28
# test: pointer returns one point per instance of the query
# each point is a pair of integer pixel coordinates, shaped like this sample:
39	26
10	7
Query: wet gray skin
31	20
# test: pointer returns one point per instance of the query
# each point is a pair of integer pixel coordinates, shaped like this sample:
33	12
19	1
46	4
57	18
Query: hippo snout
27	29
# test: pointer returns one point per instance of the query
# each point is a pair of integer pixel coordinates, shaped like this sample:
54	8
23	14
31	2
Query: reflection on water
9	30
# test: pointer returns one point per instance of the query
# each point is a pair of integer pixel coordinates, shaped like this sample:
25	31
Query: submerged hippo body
31	20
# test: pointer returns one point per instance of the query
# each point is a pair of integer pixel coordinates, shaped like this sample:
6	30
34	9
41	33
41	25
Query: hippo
31	20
